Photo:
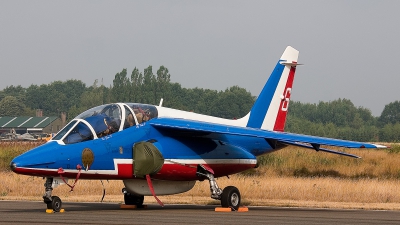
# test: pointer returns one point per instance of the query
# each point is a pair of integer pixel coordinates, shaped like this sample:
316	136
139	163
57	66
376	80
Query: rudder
270	109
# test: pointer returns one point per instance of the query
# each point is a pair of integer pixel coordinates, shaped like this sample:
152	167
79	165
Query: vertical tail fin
270	109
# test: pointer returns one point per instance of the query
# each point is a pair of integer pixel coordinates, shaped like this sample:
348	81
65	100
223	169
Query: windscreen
111	110
64	131
104	120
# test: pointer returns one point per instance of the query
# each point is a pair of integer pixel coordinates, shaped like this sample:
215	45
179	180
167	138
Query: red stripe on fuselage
283	108
188	172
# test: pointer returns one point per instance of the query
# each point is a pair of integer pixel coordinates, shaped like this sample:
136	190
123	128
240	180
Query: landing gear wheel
55	204
131	199
230	197
134	200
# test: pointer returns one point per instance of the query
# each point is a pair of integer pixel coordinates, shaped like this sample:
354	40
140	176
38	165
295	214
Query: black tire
55	204
49	205
230	197
47	201
131	199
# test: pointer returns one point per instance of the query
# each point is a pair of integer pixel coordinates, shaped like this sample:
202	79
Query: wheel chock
49	211
243	209
228	209
223	209
52	211
123	206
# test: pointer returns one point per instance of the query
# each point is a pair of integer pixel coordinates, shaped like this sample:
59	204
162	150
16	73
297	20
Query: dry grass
10	149
290	177
271	191
299	162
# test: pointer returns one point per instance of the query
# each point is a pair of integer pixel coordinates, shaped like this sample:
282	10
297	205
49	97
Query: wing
212	130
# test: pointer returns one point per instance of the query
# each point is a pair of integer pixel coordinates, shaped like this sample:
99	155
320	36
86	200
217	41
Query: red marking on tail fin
283	108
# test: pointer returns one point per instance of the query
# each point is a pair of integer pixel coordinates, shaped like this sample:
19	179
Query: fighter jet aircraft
18	137
156	150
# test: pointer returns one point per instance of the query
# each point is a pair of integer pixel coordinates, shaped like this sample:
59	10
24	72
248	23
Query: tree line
341	119
336	119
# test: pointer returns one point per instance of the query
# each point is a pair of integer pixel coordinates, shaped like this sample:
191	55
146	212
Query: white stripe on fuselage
90	171
211	161
167	161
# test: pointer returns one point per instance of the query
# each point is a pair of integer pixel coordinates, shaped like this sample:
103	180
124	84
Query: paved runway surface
15	212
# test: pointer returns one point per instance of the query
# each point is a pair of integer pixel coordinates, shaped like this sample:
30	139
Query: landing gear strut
131	199
53	202
230	196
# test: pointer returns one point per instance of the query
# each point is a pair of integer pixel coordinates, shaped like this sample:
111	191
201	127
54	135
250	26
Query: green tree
335	119
176	100
17	91
74	111
234	102
162	84
94	96
121	87
390	132
11	106
390	114
136	86
149	88
73	90
55	97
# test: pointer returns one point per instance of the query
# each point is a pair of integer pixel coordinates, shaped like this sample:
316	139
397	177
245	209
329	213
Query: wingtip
381	146
373	146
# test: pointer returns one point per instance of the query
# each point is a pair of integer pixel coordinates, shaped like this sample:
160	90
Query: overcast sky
350	48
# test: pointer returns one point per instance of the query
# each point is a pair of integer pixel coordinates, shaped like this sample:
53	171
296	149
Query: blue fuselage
113	155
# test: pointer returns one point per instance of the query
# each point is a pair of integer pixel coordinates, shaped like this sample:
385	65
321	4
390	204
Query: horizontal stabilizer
306	145
291	63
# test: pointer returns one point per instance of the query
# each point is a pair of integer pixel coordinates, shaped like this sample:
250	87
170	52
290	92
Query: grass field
290	177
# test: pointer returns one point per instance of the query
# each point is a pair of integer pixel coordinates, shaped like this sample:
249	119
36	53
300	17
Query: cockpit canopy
104	120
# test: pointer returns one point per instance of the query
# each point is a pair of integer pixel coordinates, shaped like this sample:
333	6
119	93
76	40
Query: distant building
33	125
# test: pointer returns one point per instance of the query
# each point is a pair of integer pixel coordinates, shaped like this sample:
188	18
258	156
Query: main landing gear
230	196
53	202
131	199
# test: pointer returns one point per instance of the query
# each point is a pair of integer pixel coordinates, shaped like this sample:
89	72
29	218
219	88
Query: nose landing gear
53	203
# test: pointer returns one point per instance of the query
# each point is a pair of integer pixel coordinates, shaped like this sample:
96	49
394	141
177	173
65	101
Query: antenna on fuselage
161	100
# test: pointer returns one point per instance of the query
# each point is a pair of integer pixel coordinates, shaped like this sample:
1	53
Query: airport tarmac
26	212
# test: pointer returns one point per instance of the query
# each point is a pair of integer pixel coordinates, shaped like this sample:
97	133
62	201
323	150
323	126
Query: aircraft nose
13	166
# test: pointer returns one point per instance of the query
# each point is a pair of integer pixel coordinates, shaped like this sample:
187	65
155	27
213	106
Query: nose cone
34	160
13	166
